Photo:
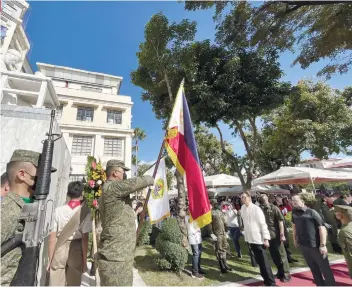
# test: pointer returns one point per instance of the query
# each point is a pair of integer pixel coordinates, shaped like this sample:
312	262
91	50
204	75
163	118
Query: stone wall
26	128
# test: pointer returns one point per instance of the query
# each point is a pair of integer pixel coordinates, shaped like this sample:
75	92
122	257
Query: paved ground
90	280
302	277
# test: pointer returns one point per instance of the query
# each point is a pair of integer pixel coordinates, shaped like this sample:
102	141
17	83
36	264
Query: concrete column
9	35
42	93
4	80
98	147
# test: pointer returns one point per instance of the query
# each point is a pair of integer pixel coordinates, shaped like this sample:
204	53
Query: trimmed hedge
173	256
144	236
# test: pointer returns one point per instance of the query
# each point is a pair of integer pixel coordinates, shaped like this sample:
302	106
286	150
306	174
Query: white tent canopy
225	191
269	189
221	180
303	175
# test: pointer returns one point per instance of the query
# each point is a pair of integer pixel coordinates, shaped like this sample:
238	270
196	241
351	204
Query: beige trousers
66	268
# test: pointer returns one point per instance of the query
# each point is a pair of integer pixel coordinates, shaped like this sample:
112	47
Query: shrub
162	263
172	254
144	236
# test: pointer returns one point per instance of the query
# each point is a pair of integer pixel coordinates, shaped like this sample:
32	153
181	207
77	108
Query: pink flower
95	203
91	183
94	165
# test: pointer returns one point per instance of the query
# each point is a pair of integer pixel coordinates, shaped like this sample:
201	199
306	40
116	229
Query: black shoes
291	260
197	276
239	255
201	272
285	279
227	267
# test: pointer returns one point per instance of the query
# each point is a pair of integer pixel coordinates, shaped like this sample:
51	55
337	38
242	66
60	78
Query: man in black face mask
22	174
118	237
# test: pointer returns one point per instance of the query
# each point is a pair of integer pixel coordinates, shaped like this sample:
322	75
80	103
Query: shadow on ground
242	269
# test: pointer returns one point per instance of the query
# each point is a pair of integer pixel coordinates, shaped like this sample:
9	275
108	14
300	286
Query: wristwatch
322	245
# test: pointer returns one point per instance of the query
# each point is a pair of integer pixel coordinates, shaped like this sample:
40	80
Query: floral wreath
96	176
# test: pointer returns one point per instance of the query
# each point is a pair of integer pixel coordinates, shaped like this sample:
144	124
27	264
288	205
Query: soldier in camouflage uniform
275	221
344	213
330	223
218	234
21	171
118	237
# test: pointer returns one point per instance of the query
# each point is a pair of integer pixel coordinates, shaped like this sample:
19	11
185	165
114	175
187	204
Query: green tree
314	118
213	160
236	87
138	135
319	29
159	74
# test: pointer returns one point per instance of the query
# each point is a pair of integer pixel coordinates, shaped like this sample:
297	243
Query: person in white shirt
70	260
233	226
257	235
195	240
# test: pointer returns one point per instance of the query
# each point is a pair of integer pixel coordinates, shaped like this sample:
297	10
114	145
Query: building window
77	177
85	114
113	147
82	145
114	117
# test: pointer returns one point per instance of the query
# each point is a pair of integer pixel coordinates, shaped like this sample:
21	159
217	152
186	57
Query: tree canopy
315	29
159	71
314	118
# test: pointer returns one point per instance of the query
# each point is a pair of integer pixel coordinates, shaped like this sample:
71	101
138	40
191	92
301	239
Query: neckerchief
74	203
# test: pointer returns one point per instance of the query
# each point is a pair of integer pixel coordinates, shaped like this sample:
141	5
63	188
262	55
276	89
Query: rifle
30	235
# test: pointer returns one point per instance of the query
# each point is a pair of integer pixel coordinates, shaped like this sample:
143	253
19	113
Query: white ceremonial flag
158	204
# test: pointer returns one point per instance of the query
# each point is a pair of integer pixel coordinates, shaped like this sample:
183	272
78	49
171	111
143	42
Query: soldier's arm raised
128	186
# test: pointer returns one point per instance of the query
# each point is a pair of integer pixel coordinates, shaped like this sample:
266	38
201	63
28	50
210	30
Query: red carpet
306	279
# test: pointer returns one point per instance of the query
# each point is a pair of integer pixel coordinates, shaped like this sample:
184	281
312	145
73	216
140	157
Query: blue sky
105	36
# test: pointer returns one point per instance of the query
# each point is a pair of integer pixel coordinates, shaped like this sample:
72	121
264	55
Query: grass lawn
242	269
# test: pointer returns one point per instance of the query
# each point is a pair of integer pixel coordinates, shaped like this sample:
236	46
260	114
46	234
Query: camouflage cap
344	209
27	156
116	163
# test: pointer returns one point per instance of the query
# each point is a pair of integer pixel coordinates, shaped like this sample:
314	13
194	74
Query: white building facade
94	118
18	85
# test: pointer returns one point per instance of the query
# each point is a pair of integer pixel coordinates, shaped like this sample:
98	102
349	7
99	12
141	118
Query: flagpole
156	169
149	189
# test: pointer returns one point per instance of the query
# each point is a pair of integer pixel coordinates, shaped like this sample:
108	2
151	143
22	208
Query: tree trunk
181	208
168	87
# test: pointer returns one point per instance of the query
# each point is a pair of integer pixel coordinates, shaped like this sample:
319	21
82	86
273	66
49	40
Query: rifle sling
70	227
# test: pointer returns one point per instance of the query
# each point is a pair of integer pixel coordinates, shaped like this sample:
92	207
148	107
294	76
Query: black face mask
35	179
124	175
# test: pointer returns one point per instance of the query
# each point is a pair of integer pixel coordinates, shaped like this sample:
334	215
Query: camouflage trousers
221	246
113	273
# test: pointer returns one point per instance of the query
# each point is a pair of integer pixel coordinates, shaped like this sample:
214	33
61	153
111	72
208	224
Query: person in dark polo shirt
309	234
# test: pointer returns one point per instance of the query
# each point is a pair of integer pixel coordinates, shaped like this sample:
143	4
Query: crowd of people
262	223
260	219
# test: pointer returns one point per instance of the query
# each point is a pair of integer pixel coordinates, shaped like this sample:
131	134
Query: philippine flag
182	149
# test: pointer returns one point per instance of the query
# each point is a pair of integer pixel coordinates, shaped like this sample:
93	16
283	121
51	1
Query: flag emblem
158	189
